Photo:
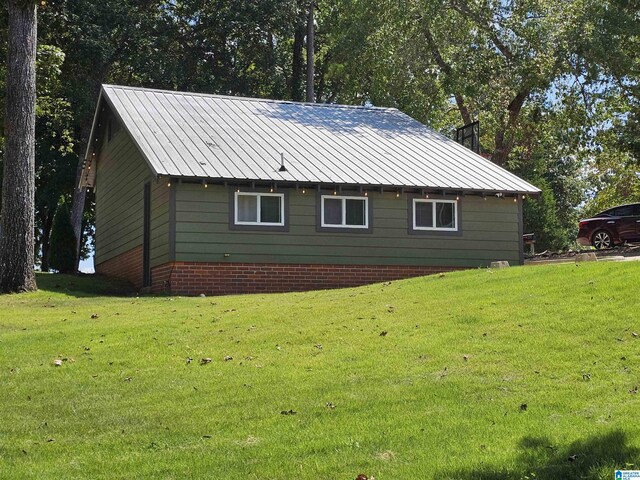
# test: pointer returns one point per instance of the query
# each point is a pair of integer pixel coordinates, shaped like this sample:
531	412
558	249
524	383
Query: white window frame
433	214
344	199
258	201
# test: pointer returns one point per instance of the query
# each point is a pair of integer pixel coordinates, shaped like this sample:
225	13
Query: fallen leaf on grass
288	412
387	455
383	333
249	442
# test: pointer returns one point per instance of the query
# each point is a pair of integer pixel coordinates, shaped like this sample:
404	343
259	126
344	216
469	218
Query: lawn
528	372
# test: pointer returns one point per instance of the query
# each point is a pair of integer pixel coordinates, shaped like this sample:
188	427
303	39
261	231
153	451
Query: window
344	212
435	215
259	209
624	211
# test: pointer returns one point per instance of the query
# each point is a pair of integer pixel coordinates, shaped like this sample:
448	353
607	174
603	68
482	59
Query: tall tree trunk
504	137
311	30
47	224
297	63
80	194
18	187
78	201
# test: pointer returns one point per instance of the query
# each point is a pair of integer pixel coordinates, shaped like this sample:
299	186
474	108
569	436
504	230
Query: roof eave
534	192
88	156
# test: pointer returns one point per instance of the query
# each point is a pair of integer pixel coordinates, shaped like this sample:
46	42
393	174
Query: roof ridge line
251	99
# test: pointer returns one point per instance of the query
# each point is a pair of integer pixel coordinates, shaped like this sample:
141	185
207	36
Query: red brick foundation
185	278
127	265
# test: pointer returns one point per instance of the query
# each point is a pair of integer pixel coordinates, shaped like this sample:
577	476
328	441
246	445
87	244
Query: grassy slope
407	405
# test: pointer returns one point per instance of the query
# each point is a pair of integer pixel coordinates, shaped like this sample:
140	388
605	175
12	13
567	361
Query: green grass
441	395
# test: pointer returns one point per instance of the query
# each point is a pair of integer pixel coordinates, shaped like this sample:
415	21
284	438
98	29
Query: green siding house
212	194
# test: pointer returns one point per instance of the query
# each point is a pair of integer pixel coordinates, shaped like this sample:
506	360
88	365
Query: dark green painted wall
490	232
490	228
120	178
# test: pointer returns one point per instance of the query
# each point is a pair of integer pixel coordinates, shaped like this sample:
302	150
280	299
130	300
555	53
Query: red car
612	227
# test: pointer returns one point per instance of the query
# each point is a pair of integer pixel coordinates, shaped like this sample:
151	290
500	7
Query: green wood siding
489	232
120	178
159	223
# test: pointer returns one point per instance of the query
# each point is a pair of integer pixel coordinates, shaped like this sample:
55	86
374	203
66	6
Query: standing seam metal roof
233	138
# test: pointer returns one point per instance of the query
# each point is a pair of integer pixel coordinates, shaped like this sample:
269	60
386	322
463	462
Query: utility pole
310	54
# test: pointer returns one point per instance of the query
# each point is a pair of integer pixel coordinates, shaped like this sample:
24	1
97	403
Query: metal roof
195	135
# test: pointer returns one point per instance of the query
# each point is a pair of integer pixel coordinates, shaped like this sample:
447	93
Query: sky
86	266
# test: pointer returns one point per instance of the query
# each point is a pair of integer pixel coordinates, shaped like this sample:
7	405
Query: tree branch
446	68
483	23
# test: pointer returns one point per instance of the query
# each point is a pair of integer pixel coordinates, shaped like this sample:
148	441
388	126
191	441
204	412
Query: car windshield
608	213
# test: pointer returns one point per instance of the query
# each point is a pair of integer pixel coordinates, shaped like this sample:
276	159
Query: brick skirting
127	265
186	278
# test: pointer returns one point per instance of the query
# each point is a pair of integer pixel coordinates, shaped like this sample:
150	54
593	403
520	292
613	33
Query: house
213	194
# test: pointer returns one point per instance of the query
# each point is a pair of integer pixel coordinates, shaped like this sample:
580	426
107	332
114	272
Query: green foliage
439	397
62	255
541	217
544	78
554	84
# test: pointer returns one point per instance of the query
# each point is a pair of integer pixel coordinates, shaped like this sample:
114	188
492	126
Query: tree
62	253
18	188
311	45
55	164
226	47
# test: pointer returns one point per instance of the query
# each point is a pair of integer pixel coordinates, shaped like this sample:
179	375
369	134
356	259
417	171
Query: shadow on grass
594	458
84	285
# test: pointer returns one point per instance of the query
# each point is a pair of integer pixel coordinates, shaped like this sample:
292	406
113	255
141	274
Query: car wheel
602	239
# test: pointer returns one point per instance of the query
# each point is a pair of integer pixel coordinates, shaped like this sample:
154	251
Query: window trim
434	201
344	199
258	223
